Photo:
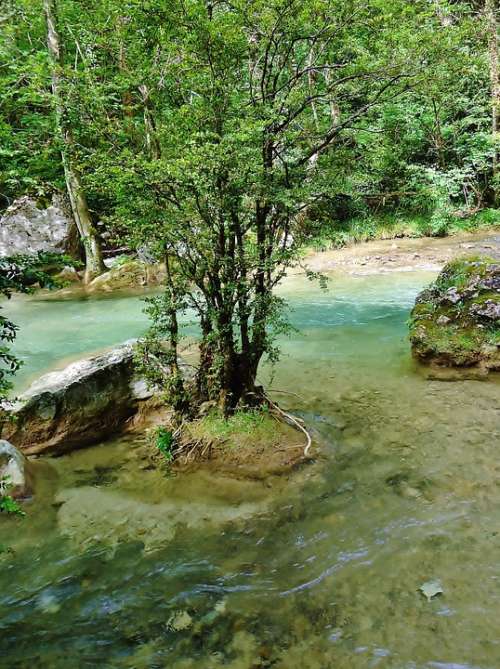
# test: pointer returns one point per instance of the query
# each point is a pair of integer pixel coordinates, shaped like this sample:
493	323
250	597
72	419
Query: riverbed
121	566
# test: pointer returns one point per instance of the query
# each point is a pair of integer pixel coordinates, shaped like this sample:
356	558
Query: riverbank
424	254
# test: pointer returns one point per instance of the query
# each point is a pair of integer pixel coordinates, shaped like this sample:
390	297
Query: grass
402	224
241	429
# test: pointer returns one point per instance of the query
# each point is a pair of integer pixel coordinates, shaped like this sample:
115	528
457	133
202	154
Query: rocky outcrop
456	321
26	228
15	478
77	406
128	275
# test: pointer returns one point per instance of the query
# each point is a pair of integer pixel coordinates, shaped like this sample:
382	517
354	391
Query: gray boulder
87	401
27	229
14	477
489	310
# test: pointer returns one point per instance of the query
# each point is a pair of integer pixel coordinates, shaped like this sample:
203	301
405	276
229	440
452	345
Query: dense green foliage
427	150
8	504
223	136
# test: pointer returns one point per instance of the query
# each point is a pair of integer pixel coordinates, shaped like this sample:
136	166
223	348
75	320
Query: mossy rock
456	320
128	275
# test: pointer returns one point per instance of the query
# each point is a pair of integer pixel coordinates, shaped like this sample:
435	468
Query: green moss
462	338
243	427
493	337
459	272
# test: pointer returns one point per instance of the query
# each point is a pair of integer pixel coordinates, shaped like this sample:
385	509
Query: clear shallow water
54	331
120	567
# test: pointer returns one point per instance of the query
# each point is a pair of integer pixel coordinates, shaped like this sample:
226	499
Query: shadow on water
117	566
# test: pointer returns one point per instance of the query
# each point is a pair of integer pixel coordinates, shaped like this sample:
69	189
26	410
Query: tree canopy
225	135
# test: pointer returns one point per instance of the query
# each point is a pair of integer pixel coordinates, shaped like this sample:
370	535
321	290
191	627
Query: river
119	566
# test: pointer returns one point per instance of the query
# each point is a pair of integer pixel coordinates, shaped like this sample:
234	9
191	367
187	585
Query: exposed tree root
294	420
191	445
286	392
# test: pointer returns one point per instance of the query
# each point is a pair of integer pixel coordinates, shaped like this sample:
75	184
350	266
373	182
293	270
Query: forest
249	333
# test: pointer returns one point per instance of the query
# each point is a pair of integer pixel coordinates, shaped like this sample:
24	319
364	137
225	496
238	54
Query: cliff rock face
27	229
456	321
77	406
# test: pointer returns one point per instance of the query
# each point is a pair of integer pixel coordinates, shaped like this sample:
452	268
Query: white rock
27	229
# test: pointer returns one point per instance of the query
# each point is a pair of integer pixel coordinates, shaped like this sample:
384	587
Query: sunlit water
118	566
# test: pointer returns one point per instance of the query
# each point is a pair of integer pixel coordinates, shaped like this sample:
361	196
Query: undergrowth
165	442
396	225
8	504
254	423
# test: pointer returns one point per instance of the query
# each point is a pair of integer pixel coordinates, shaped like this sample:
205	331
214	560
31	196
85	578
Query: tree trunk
491	15
152	144
94	264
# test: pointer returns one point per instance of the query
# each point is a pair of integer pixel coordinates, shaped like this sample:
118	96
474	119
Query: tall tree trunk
491	15
152	144
94	264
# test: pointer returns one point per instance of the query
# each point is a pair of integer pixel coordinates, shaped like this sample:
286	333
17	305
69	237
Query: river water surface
116	565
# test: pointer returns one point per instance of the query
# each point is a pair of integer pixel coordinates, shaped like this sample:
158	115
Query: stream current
116	565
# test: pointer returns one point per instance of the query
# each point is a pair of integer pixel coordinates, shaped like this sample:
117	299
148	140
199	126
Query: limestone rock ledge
87	401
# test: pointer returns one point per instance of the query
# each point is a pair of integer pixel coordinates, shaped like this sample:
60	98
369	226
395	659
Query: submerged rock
90	515
456	321
14	474
26	228
79	405
179	621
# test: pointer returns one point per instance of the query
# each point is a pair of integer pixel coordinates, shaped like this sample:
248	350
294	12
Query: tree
426	152
258	97
94	263
491	10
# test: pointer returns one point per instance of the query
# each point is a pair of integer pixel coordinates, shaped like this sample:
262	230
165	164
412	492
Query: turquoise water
118	566
54	331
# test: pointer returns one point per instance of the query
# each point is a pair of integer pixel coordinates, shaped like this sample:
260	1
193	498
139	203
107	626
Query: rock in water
131	274
431	589
456	321
14	476
27	229
79	405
